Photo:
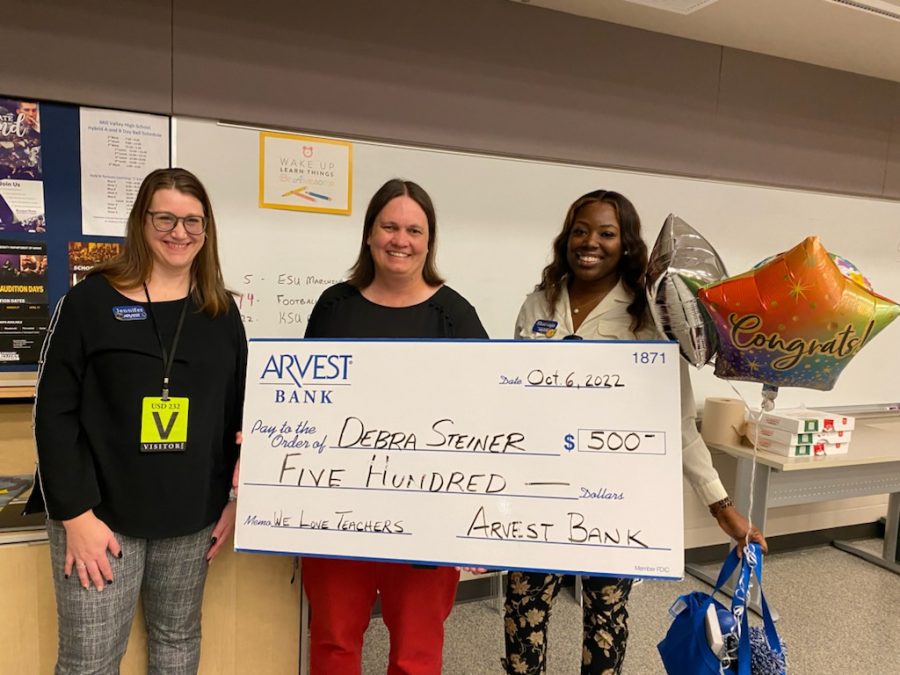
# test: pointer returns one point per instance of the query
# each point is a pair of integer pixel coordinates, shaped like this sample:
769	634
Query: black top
343	312
96	368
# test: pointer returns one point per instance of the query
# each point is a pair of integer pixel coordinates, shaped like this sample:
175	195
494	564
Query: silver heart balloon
683	261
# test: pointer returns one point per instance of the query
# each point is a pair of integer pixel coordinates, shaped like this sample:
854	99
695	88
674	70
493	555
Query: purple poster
21	173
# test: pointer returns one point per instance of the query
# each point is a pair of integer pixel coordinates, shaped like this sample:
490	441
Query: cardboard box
802	421
788	438
809	450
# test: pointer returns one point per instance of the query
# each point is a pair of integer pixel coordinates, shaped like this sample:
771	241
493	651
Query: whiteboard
496	220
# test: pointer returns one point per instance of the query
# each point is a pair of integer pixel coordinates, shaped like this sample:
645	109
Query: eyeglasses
163	221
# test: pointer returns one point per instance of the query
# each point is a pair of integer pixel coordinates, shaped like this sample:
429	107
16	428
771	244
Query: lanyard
168	357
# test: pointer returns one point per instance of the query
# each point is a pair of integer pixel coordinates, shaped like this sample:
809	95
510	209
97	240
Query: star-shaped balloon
682	261
794	321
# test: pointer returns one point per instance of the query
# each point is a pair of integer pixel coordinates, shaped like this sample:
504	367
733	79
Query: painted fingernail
213	541
120	555
108	582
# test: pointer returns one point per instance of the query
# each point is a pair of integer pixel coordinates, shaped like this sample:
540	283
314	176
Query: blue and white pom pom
763	661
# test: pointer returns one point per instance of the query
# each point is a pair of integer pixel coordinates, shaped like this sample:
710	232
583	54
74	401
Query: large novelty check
556	455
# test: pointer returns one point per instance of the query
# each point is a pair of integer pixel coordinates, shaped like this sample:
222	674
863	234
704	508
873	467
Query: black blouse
343	312
100	358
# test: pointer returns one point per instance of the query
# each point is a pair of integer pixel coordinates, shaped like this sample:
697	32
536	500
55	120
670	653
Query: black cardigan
95	370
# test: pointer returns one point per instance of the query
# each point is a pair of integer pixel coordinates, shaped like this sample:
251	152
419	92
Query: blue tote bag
685	650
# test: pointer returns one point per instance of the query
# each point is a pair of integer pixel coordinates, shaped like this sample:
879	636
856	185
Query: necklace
590	303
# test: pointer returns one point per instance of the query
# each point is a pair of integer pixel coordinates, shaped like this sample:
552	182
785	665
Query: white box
809	450
788	438
801	420
714	632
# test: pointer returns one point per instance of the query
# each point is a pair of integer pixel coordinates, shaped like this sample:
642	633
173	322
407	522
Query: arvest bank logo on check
306	378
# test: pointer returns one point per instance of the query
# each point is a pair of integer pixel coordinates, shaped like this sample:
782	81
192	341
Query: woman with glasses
593	290
137	410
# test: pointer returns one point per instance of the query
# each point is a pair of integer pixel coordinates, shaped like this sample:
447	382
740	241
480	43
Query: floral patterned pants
529	601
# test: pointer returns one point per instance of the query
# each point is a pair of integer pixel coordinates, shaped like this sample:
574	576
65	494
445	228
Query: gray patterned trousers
168	575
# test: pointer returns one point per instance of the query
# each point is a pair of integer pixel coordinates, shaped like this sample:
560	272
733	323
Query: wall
485	75
112	55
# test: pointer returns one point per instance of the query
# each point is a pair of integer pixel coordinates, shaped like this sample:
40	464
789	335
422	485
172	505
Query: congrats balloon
680	263
847	268
851	271
794	321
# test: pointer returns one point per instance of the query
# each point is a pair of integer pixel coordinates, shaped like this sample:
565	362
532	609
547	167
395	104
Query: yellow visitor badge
164	424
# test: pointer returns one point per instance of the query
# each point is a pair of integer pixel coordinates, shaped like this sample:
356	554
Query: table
871	467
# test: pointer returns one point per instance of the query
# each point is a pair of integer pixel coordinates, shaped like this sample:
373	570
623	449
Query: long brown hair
632	264
133	266
363	271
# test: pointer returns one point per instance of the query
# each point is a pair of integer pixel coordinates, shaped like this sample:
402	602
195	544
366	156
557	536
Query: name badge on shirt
129	313
545	327
164	424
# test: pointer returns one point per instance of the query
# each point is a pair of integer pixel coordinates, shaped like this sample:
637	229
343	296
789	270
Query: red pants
414	603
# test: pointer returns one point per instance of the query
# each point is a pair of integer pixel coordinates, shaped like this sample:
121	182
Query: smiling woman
399	239
174	248
396	265
138	405
593	250
593	289
394	291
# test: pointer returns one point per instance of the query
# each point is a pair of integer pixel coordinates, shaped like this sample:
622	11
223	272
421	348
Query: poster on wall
21	179
118	149
23	301
85	255
304	173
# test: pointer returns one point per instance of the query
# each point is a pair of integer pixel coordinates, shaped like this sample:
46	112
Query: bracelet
232	495
717	507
